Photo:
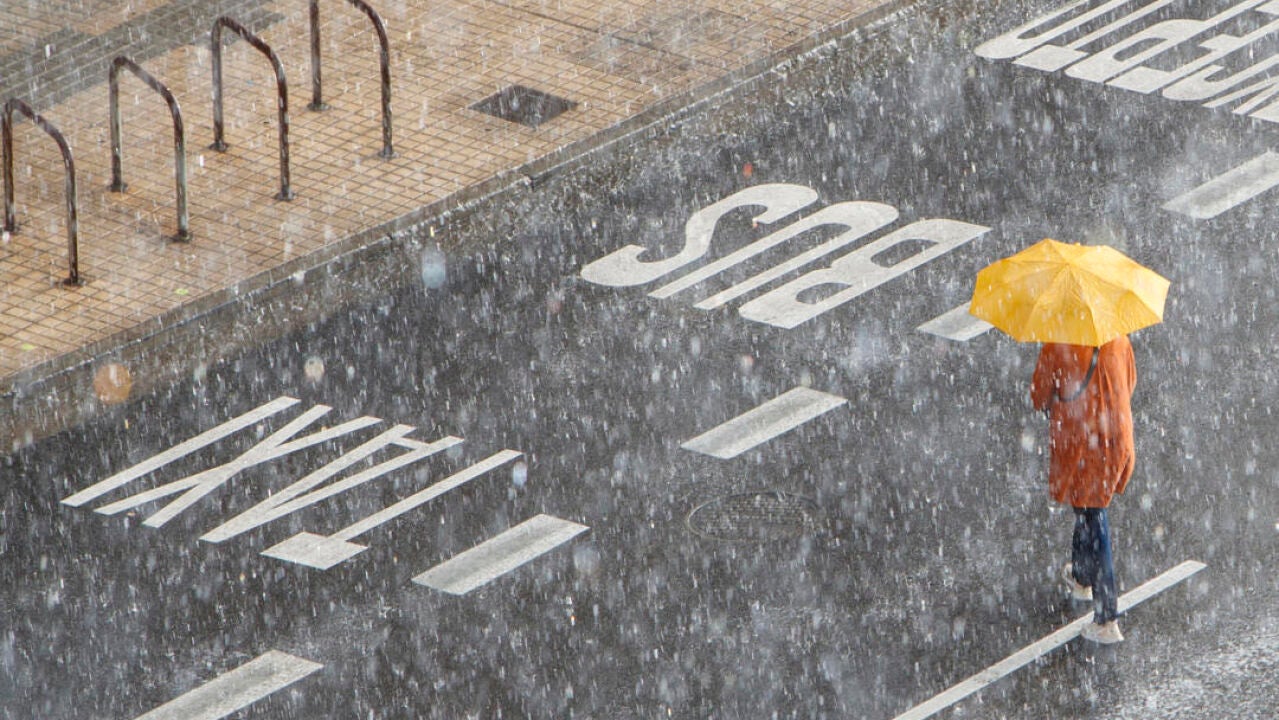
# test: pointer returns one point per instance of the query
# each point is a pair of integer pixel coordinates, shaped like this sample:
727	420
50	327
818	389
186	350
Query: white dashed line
500	554
781	414
1230	189
236	689
1030	653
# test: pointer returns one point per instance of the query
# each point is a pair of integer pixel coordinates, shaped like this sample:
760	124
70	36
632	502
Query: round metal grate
755	516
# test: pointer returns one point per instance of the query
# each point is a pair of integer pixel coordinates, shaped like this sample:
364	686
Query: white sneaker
1077	591
1106	634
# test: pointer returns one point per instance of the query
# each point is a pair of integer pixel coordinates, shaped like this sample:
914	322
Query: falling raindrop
434	269
586	559
313	369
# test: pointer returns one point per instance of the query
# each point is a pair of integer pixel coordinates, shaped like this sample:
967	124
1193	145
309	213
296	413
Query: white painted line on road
1046	645
276	445
859	272
324	551
1226	191
315	551
208	437
857	218
956	324
236	689
500	554
424	496
304	492
781	414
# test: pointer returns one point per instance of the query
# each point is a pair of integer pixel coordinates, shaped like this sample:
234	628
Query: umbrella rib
1042	307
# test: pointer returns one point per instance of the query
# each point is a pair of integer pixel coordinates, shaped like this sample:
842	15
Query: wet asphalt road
910	542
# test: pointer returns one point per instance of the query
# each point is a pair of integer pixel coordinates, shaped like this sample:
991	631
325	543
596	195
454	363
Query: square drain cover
523	105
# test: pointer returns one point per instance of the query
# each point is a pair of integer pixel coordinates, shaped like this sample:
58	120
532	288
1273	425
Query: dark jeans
1094	566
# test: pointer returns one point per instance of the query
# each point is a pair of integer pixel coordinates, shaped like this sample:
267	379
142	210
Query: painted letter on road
623	268
857	272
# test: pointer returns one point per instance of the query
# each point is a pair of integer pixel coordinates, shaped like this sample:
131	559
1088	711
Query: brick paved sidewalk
616	61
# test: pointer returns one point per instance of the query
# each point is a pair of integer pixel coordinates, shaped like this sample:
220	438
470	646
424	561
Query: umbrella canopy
1063	293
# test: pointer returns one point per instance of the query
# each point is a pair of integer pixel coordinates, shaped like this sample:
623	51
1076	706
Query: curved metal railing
282	90
317	102
10	221
179	139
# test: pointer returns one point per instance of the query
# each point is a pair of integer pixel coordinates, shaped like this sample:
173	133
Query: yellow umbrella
1077	294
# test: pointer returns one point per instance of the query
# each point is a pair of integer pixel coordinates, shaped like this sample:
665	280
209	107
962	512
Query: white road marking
781	414
303	493
858	272
860	218
195	487
1144	44
624	268
236	689
1042	647
1196	75
208	437
500	554
316	551
956	324
1147	79
324	551
1230	189
857	218
1014	42
421	497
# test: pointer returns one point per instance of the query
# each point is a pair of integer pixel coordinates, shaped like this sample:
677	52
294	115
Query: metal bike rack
179	139
10	223
317	102
219	144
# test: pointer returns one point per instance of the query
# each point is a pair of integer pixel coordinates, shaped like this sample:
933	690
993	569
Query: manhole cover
755	516
524	105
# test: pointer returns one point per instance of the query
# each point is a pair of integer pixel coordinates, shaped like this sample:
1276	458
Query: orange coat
1090	437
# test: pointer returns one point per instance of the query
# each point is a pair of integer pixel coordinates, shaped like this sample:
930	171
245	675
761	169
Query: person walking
1081	301
1087	392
